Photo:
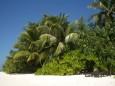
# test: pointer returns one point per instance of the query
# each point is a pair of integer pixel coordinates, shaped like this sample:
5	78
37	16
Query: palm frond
113	8
60	49
94	5
43	29
21	54
43	56
48	38
32	56
38	44
71	37
103	6
98	5
72	27
94	16
25	37
35	45
21	45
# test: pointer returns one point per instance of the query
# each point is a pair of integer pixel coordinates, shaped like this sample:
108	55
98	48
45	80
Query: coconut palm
107	11
61	31
29	43
46	39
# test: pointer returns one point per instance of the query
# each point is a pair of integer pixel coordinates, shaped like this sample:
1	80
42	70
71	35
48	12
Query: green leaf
71	37
32	56
60	49
21	54
48	38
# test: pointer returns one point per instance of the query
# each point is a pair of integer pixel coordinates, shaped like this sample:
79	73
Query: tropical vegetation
55	46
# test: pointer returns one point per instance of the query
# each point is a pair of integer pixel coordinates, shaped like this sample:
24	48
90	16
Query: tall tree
107	11
27	44
46	39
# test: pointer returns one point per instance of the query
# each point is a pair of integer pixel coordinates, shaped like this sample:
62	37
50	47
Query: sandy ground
32	80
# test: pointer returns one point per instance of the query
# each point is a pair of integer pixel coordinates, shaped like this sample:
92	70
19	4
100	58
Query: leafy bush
19	66
101	43
72	62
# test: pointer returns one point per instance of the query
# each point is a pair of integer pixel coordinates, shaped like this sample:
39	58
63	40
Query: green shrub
68	64
72	62
19	66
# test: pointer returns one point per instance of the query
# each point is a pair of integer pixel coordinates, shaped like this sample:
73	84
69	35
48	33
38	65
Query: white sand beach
32	80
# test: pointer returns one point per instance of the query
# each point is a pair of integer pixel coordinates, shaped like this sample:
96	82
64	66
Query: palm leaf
21	54
98	5
25	37
60	49
32	56
38	44
93	17
48	38
43	29
103	6
95	5
42	56
20	45
72	27
71	37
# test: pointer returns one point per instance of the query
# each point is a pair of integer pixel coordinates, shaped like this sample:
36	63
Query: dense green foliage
67	64
46	39
106	14
19	66
72	62
100	42
59	47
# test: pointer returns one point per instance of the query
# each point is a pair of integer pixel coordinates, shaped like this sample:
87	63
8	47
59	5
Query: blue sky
15	14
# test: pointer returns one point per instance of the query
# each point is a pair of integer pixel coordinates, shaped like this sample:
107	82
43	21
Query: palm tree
46	39
28	43
62	32
107	11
